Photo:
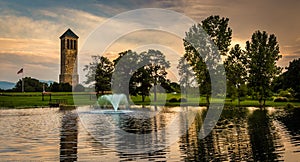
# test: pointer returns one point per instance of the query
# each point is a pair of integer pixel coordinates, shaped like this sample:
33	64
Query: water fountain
114	99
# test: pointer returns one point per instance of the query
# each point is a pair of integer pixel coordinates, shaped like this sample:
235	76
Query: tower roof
69	33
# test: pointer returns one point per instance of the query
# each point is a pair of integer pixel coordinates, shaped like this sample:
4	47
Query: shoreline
166	105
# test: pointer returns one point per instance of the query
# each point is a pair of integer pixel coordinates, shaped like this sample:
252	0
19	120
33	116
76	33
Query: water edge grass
34	99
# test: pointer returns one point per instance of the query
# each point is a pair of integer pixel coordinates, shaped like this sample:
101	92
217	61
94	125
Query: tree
60	87
65	87
278	83
174	87
99	73
139	72
186	75
236	71
289	79
196	40
142	82
79	88
219	32
54	87
124	77
30	85
156	66
263	53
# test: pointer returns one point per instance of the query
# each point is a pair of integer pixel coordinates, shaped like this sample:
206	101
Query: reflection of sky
32	28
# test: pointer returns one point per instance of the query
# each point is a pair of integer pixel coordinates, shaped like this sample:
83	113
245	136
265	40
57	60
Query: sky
30	30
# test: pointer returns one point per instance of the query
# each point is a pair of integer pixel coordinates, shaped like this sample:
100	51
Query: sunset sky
30	30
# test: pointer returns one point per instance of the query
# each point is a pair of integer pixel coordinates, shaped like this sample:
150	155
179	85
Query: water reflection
247	134
238	136
265	140
69	136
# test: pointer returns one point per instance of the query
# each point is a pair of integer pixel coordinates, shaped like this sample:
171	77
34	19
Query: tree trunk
239	96
260	102
207	99
143	98
155	93
186	95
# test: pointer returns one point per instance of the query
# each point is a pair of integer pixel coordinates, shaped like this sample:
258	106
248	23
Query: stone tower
68	58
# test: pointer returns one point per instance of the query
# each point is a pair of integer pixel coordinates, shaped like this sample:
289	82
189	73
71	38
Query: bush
280	99
79	88
182	100
289	106
285	94
173	100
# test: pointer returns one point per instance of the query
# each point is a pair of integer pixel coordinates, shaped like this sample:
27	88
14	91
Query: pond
245	134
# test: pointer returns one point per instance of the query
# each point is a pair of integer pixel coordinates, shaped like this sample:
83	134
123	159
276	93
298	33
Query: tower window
75	45
68	44
71	44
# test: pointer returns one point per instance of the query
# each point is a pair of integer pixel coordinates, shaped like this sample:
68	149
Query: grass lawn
34	99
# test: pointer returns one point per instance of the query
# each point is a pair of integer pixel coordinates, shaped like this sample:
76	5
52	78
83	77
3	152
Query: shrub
182	100
289	106
285	94
173	100
79	88
280	99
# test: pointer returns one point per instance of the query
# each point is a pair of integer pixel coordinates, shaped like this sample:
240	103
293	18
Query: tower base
69	78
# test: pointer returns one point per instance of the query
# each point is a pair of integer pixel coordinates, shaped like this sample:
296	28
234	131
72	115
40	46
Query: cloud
24	39
41	67
29	46
32	29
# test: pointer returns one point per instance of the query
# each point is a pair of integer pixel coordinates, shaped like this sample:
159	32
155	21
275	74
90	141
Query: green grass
34	99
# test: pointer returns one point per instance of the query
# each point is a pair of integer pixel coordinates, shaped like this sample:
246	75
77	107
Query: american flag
20	71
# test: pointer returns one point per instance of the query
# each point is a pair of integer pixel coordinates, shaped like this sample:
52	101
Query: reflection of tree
194	148
228	141
68	137
263	137
292	124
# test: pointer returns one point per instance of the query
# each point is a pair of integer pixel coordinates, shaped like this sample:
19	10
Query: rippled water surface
247	134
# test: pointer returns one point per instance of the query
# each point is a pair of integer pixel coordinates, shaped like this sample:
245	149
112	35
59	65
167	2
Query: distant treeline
34	85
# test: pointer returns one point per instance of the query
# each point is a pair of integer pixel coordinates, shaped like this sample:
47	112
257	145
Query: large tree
263	53
140	72
156	65
196	40
30	85
219	31
124	80
99	73
236	72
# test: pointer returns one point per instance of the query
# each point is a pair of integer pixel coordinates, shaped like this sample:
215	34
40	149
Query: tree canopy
130	73
253	69
30	85
236	72
203	45
263	53
99	72
289	79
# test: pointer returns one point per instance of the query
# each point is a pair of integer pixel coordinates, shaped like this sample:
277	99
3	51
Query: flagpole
23	81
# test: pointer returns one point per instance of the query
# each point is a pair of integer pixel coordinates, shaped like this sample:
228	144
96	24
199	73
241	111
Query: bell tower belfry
68	58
